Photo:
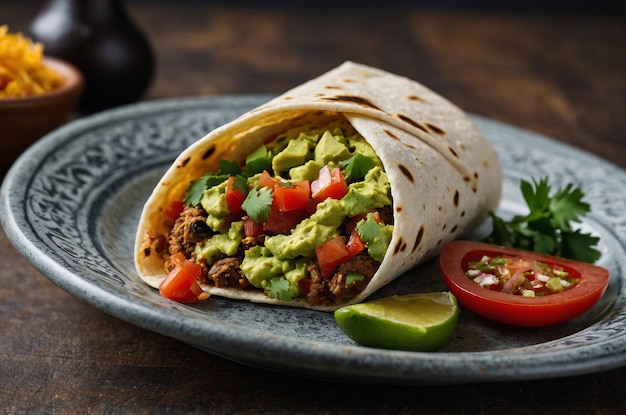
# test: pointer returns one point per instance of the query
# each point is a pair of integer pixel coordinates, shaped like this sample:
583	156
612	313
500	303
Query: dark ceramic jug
100	38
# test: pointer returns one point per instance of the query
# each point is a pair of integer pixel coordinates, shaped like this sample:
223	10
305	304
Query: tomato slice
292	195
515	309
331	254
330	183
181	283
234	198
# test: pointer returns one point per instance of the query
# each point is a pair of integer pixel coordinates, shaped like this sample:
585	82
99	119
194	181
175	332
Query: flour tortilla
443	172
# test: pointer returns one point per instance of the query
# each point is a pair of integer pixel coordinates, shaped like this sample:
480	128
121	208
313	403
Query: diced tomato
355	244
283	222
252	228
266	180
181	283
174	210
330	255
234	198
330	183
293	196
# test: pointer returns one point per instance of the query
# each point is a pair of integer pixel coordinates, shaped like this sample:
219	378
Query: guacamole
305	208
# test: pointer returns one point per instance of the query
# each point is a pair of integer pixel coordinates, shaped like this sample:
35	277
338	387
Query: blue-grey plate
71	203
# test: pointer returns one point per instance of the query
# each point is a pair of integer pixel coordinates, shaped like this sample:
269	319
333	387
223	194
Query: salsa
520	276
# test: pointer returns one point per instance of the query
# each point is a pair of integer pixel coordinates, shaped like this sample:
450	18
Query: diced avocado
259	160
360	146
554	285
259	265
330	149
377	247
372	193
223	243
310	233
308	171
214	203
295	154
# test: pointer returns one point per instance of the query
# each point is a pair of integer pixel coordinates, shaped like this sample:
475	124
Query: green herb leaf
258	203
356	167
241	183
229	168
353	277
547	226
578	245
368	228
281	289
197	187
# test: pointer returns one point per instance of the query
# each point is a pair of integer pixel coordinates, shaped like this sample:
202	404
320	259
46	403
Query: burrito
321	196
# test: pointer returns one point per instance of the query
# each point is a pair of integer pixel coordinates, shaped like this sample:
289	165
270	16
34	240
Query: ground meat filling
226	272
153	243
334	290
190	227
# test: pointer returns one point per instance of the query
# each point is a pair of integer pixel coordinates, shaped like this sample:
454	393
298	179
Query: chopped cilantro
356	167
547	227
368	228
241	183
229	168
258	203
353	277
281	289
197	187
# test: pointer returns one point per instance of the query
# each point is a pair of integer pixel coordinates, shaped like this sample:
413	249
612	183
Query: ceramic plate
71	204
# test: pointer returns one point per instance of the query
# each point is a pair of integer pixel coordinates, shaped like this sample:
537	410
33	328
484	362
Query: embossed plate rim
280	352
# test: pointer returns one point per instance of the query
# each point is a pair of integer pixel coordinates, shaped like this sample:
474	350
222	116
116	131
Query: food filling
520	276
307	216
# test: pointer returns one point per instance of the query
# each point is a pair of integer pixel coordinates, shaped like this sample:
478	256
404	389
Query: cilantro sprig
356	167
258	203
197	187
547	228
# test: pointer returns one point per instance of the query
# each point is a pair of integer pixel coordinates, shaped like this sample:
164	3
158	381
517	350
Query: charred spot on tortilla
391	135
463	214
414	98
454	228
208	153
434	128
184	162
453	151
406	172
413	123
332	87
456	198
400	246
398	209
354	99
418	238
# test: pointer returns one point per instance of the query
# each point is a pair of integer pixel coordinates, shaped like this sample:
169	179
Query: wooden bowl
23	120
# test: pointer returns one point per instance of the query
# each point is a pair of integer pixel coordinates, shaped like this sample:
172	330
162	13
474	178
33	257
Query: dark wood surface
558	74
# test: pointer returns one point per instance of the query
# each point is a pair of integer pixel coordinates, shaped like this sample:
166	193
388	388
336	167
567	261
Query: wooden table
561	75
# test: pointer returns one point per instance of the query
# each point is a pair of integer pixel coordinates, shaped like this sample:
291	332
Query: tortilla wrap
443	172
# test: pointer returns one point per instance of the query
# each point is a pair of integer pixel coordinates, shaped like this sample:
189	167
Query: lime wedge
415	322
